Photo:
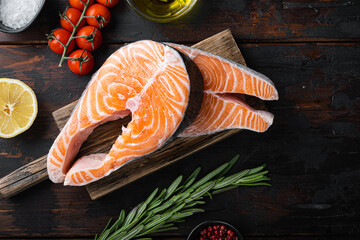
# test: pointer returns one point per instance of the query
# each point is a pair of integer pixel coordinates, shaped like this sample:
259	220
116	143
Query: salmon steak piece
221	108
159	86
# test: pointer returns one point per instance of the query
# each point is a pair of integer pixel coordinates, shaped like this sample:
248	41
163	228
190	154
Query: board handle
24	177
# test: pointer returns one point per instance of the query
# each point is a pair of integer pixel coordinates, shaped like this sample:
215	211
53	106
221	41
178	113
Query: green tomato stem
72	37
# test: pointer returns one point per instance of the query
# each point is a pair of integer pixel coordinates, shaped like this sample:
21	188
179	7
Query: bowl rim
13	30
211	222
160	20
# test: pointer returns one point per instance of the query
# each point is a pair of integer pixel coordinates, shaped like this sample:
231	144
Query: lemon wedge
18	107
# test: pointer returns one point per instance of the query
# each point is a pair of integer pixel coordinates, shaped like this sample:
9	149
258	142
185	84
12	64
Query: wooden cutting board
101	140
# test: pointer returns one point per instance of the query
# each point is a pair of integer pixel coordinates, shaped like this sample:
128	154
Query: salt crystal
18	13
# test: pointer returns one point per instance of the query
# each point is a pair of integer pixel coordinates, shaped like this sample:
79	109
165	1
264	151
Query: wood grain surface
312	150
102	139
250	21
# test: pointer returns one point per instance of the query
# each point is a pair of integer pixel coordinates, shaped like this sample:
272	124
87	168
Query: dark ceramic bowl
6	29
195	233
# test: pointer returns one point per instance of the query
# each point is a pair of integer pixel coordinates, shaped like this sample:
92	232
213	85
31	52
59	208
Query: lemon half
18	107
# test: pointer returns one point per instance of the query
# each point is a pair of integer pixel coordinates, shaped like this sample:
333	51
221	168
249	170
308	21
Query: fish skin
196	83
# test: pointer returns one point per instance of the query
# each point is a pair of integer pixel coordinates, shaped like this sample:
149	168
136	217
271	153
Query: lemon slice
18	107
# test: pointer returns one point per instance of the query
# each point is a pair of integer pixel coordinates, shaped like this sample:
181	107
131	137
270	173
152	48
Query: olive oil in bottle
163	8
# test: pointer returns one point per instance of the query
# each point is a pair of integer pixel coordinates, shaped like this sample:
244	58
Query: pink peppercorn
217	232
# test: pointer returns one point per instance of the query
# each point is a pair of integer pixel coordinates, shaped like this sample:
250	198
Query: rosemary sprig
160	213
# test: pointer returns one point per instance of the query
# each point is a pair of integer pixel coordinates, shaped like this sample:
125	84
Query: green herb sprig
160	212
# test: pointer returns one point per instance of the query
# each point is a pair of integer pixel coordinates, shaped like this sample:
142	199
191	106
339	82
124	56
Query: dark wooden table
312	53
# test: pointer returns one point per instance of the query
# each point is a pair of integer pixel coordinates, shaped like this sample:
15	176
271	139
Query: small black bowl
195	233
6	29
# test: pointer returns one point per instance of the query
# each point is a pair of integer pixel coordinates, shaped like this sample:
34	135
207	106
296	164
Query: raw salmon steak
159	86
221	108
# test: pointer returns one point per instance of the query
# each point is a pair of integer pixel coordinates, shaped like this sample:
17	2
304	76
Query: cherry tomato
78	4
108	3
101	16
73	15
92	38
83	64
63	36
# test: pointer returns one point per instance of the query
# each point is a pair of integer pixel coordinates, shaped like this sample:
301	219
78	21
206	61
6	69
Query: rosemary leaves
161	211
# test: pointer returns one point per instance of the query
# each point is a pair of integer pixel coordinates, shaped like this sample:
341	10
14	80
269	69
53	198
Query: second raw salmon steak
222	108
160	87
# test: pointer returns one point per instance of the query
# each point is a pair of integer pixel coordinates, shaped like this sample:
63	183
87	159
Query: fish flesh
222	108
159	86
220	112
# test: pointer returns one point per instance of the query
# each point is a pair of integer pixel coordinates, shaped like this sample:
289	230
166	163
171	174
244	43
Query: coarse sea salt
18	13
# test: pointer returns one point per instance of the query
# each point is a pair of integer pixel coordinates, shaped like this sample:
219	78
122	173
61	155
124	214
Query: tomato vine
75	27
